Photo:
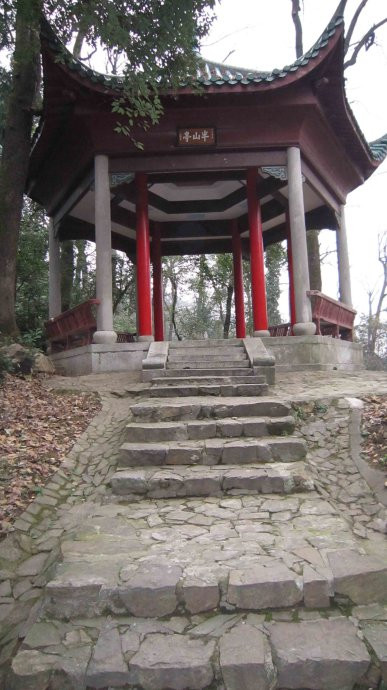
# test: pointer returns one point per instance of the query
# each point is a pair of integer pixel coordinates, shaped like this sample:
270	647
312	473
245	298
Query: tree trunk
67	273
16	150
314	260
80	37
81	271
227	319
173	306
375	320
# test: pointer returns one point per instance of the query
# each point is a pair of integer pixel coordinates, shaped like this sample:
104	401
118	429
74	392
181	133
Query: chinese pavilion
249	159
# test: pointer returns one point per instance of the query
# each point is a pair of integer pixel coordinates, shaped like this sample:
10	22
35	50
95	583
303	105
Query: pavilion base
100	358
293	353
314	352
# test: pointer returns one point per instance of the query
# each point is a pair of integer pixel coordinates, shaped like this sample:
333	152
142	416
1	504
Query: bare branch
352	25
89	56
368	37
382	257
298	27
228	55
222	38
329	252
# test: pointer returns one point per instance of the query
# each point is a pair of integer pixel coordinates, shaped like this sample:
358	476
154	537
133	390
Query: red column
238	281
143	259
292	298
258	291
158	315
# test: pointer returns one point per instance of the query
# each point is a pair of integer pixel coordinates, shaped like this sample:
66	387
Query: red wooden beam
258	290
158	315
238	281
143	258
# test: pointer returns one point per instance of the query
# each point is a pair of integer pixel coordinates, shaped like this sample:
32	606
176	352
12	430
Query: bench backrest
75	320
279	330
330	310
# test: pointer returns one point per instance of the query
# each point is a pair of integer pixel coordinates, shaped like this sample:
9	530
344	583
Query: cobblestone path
224	543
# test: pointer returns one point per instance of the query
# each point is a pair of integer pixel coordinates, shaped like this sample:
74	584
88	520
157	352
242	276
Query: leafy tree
158	41
275	259
219	272
178	272
32	274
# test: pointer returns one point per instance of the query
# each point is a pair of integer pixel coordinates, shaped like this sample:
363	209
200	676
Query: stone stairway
212	563
213	367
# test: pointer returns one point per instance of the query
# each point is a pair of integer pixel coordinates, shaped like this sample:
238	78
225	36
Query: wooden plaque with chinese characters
196	136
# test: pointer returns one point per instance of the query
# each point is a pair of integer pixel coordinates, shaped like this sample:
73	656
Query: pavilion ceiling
195	211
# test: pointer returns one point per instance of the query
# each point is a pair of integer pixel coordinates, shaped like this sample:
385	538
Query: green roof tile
210	74
379	148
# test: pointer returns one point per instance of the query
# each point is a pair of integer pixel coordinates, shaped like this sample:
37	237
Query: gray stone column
54	290
343	261
304	324
103	243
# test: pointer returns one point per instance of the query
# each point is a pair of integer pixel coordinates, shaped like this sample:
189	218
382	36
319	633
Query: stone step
208	408
224	354
188	556
150	482
208	372
247	377
215	451
231	651
205	429
207	364
206	344
187	390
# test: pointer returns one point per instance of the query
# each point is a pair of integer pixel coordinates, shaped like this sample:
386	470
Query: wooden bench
76	327
331	317
280	330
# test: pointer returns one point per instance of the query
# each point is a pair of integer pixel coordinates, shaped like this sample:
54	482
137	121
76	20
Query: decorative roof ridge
378	148
218	73
209	73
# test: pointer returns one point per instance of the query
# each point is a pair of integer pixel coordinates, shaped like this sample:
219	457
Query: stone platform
314	353
98	359
265	582
295	353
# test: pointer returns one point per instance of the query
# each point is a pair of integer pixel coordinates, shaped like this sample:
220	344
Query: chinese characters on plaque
196	136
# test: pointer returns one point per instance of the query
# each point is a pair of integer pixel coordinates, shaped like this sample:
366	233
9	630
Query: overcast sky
260	34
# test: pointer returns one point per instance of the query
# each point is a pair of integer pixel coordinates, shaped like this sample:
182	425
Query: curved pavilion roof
256	114
218	75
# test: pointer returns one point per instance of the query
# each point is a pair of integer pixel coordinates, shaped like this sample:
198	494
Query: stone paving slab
189	389
323	655
209	542
205	353
311	385
301	535
332	384
228	652
208	408
213	451
191	480
209	371
242	377
227	365
205	429
206	343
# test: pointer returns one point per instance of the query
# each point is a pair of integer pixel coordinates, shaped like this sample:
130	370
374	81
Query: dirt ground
37	429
